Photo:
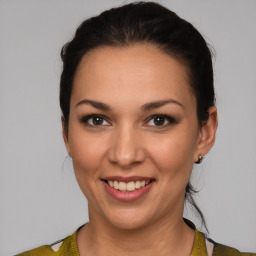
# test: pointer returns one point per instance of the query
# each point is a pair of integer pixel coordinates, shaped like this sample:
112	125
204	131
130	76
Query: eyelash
85	120
170	120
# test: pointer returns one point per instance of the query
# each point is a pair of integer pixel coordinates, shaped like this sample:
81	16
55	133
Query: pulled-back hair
144	22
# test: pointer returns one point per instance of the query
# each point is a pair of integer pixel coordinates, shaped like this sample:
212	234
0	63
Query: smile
127	189
130	186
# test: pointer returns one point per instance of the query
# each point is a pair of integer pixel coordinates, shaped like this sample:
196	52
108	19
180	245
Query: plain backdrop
39	198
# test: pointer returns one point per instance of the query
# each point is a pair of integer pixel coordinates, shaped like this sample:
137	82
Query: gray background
39	198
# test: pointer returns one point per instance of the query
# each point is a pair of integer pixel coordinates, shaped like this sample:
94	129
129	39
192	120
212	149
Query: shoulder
40	251
64	247
203	245
211	248
220	249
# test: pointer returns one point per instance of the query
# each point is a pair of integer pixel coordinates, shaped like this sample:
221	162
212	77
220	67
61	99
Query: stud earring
200	159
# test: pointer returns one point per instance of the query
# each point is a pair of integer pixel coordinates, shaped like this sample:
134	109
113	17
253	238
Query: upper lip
127	179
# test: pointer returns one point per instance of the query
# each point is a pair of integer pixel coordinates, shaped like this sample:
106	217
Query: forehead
141	70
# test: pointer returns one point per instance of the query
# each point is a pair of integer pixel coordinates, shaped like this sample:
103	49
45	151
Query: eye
95	120
160	121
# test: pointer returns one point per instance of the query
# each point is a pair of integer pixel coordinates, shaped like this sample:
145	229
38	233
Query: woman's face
133	125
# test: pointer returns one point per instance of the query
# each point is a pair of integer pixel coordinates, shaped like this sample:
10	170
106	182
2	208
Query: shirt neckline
198	249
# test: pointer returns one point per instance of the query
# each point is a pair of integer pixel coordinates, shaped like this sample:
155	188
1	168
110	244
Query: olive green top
68	247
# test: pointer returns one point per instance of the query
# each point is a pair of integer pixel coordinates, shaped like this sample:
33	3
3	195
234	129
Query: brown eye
97	120
159	120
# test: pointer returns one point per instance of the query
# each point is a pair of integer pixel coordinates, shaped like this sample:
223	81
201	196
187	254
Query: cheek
173	154
87	152
87	155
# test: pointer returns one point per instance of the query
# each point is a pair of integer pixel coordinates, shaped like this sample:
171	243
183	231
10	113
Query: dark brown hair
144	22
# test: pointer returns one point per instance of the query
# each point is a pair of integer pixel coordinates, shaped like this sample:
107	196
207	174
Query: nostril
126	152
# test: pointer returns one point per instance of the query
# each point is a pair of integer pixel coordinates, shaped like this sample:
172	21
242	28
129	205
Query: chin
128	219
128	224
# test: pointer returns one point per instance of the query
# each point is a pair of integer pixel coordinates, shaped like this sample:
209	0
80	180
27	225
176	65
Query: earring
200	159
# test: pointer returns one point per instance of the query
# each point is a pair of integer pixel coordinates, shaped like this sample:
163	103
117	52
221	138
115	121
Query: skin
129	143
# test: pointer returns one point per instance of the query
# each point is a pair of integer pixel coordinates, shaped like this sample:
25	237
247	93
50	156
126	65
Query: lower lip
128	196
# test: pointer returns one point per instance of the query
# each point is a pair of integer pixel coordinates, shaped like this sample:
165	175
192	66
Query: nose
126	148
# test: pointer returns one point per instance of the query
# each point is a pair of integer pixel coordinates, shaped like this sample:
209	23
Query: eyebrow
158	104
145	107
95	104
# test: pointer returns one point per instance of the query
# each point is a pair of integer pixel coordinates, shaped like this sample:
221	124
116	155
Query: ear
65	135
207	134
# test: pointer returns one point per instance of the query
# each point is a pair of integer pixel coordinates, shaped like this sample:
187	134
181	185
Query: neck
170	236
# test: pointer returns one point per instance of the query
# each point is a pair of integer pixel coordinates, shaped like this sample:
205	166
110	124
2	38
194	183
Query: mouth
127	188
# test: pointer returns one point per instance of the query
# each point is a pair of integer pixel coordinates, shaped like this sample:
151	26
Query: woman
138	106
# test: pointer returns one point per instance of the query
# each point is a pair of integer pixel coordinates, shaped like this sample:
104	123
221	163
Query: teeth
130	186
122	186
116	184
137	184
